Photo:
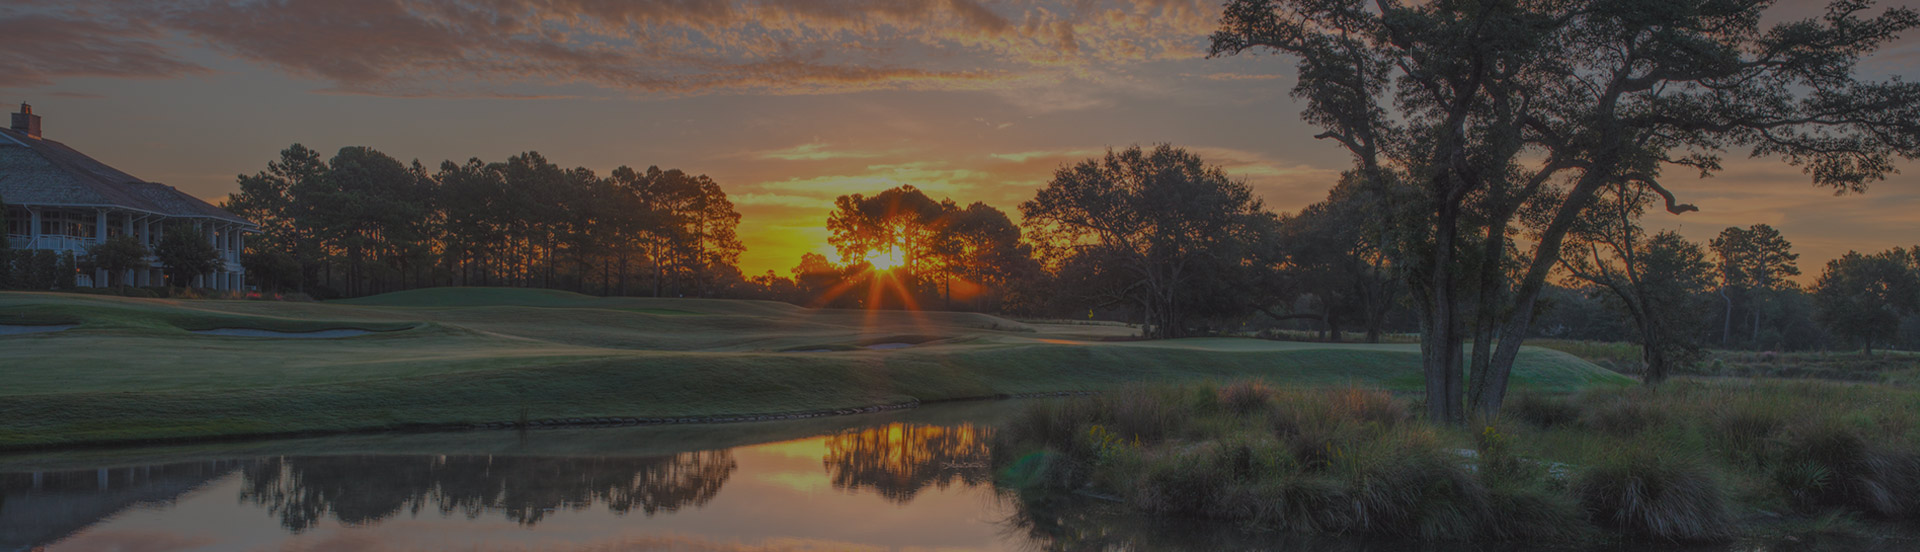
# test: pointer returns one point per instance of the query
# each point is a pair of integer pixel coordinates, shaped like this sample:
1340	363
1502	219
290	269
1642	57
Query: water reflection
898	460
885	483
359	490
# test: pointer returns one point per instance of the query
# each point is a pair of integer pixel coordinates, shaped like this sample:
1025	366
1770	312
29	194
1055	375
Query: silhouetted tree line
362	222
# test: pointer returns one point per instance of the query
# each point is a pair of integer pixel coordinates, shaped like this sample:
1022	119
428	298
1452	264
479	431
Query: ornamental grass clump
1680	462
1540	410
1346	460
1826	463
1654	495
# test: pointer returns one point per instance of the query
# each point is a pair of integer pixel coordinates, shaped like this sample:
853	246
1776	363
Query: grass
1889	367
132	370
1689	461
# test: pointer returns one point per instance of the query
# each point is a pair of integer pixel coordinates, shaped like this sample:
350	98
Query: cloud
816	152
934	178
1061	155
781	200
42	48
1236	77
474	48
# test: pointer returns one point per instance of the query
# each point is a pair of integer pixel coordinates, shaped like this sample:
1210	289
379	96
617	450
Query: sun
888	259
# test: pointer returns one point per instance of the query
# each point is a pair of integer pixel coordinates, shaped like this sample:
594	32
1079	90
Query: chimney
25	121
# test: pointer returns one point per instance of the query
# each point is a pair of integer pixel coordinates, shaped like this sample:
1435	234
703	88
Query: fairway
134	369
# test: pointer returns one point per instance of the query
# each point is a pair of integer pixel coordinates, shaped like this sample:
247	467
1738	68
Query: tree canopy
1659	282
1864	297
363	222
116	256
185	253
1159	230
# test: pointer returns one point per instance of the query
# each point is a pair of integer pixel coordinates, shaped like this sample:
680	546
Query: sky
786	103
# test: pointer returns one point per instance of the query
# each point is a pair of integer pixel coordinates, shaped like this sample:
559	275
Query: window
79	224
19	222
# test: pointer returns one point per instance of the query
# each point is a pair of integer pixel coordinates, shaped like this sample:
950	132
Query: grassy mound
130	371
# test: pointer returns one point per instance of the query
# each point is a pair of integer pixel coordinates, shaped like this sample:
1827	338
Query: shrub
1540	410
1654	496
1369	406
1405	483
1143	413
1245	396
1827	463
1624	413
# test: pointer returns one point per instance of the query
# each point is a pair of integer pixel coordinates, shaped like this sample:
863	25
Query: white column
33	228
240	247
126	228
99	237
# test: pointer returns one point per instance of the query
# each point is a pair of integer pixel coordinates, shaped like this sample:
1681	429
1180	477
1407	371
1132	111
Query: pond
911	480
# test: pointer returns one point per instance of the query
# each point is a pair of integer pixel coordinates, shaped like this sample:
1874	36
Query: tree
1657	282
1503	113
185	253
901	222
981	246
1160	230
1864	296
1754	262
1334	252
932	242
279	202
117	255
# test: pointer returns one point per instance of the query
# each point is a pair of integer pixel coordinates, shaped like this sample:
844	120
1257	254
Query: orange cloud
815	151
494	48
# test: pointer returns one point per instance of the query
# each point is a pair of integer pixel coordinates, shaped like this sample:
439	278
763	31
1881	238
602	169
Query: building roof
37	171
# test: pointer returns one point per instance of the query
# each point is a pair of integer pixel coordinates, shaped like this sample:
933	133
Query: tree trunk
1546	255
1485	316
1440	341
1650	349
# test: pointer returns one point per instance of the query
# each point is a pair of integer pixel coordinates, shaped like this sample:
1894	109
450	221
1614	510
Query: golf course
86	369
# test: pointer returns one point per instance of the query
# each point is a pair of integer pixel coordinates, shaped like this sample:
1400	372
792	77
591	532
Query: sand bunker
249	332
11	329
888	346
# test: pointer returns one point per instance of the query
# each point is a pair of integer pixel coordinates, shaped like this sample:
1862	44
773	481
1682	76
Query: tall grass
1342	460
1684	462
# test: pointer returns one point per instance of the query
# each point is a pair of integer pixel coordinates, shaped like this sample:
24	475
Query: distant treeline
364	223
1154	237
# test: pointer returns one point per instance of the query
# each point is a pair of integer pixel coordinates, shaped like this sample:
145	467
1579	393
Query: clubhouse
60	200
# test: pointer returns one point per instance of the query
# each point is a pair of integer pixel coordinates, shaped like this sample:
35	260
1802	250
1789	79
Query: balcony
56	243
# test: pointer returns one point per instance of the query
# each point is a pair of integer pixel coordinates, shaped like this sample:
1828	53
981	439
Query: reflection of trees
366	489
899	460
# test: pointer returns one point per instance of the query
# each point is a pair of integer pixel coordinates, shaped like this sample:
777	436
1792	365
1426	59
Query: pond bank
1688	462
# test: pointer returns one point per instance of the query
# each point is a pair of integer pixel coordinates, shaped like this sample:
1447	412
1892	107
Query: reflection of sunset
771	496
899	460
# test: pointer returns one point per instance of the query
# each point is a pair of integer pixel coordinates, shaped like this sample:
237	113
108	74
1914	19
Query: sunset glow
976	101
959	275
886	259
